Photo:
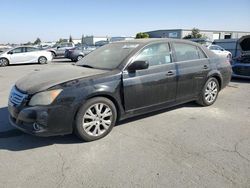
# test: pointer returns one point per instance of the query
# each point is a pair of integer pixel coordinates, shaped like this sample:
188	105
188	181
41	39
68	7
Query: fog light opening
36	127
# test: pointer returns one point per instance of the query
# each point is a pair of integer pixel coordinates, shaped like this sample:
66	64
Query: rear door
192	69
31	55
154	85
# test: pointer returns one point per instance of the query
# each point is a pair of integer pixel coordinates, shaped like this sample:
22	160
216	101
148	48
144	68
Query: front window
109	56
17	50
155	54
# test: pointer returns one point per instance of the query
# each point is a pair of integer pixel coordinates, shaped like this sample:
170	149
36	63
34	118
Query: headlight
44	98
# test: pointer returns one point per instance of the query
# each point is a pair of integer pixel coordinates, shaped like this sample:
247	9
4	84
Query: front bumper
41	120
241	70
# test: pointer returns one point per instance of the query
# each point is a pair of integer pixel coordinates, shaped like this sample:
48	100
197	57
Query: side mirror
138	65
10	53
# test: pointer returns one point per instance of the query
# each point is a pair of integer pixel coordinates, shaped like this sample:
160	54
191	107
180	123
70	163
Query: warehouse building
210	34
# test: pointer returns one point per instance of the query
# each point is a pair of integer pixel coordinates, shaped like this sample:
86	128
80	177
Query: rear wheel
4	62
42	60
95	119
209	92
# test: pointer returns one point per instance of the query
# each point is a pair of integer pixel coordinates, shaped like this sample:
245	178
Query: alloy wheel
79	57
3	62
97	119
211	91
42	60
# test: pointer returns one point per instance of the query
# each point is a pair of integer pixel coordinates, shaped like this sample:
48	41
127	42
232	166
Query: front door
17	55
154	85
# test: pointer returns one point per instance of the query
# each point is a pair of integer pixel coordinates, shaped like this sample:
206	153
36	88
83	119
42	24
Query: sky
25	20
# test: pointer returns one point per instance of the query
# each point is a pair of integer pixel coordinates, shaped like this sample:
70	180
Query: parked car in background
78	53
25	54
220	51
240	49
114	82
59	49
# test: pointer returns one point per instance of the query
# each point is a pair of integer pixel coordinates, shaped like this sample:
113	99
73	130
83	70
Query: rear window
185	52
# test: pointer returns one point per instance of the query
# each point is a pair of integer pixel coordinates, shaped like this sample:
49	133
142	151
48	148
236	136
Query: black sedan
114	82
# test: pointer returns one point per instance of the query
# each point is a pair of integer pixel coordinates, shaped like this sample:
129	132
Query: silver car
24	54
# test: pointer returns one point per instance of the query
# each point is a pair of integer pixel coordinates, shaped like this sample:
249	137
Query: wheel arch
105	95
217	76
111	98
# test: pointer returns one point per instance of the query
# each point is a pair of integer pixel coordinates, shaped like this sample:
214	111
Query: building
99	40
116	39
210	34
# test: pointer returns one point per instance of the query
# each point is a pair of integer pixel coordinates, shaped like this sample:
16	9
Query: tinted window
185	52
155	54
16	50
30	49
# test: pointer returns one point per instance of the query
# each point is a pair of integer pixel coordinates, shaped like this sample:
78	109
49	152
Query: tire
42	60
78	58
90	123
4	62
209	92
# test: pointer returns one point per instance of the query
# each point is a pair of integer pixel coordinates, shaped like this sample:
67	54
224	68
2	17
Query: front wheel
4	62
95	119
209	92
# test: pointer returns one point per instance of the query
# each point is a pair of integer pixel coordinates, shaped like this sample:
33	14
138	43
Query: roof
153	40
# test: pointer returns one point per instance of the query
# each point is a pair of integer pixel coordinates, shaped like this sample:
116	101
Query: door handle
205	67
170	73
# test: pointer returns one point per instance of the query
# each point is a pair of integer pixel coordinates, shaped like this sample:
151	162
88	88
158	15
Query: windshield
109	56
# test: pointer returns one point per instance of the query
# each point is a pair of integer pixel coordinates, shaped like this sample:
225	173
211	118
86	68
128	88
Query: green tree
142	35
37	41
70	39
61	40
195	34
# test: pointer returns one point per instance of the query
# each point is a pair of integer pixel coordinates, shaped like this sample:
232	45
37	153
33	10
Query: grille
244	71
17	97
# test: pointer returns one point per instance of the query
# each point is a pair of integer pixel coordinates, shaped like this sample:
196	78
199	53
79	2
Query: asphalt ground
184	146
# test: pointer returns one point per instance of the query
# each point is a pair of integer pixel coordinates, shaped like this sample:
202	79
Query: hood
245	43
44	79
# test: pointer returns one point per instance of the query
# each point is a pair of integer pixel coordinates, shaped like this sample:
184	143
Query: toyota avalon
114	82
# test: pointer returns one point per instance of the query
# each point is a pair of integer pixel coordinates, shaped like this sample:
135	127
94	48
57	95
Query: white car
220	51
24	54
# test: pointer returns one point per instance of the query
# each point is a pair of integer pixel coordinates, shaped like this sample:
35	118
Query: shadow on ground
15	140
240	80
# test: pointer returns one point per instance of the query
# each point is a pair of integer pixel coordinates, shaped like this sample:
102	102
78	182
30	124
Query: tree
61	41
37	41
142	35
70	39
195	34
